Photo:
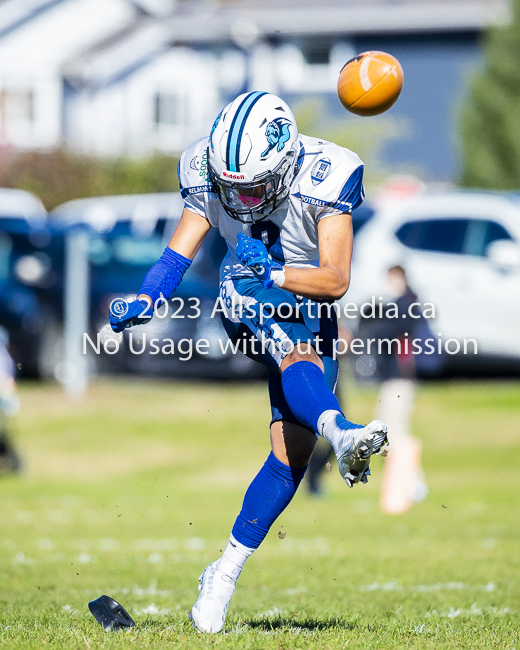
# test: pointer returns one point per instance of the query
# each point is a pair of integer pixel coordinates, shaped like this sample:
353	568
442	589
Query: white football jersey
329	181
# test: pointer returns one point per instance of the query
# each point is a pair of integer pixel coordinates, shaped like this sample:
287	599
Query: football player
283	203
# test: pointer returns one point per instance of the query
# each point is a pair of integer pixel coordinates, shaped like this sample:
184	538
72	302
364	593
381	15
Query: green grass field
132	491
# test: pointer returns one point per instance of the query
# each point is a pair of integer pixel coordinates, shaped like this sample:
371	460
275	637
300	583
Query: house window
16	107
167	109
316	53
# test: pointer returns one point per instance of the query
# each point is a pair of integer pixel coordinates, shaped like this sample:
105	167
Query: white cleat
216	588
354	456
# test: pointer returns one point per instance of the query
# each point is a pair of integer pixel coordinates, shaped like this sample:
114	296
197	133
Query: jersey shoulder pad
193	169
331	177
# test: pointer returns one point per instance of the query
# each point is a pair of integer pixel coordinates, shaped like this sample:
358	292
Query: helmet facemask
255	200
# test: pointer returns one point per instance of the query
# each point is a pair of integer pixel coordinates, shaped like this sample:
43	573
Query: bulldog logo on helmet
277	134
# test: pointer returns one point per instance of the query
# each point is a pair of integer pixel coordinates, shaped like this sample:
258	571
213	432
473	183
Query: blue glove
127	314
253	254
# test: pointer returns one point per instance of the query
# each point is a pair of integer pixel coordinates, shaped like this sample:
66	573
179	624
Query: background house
36	38
106	77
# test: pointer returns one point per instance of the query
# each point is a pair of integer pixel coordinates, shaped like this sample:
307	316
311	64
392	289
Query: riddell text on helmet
233	175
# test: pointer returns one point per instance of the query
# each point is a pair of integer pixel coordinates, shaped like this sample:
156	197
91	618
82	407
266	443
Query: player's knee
301	352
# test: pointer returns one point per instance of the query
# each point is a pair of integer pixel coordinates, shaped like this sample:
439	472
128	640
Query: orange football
370	83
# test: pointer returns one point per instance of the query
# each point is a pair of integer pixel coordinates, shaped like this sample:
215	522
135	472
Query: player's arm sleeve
192	195
195	185
350	197
165	276
352	193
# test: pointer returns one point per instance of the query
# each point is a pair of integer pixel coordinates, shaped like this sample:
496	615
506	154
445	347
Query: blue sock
266	498
308	396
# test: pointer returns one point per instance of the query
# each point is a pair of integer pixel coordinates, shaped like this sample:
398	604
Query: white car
461	252
19	204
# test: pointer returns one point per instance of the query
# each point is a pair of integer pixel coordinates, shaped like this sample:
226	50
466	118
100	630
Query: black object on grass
110	614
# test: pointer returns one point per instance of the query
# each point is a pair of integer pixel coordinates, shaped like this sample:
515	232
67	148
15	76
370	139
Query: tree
490	119
58	176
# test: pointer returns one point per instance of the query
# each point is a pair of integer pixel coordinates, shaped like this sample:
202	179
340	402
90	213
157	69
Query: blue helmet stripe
237	128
